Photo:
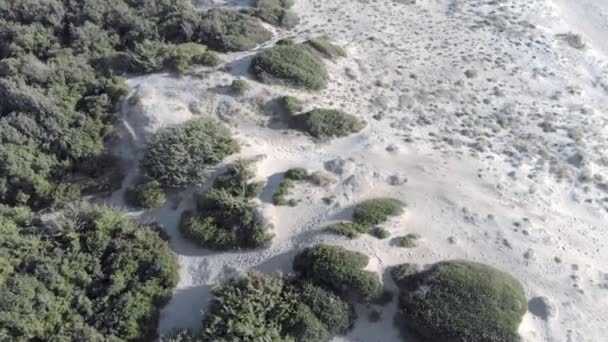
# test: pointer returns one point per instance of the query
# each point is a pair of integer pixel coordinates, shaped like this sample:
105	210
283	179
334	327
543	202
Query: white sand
508	163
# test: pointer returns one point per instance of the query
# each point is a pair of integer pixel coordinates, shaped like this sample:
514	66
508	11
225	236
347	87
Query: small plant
324	47
407	241
290	65
327	123
146	195
297	174
461	301
291	105
380	233
349	229
378	116
376	211
276	12
240	86
226	31
291	176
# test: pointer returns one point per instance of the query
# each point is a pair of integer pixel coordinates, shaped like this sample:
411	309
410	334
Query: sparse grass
291	176
324	47
376	211
327	123
349	229
407	241
461	301
240	86
290	65
226	30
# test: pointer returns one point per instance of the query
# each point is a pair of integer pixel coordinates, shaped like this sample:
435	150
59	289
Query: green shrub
280	196
297	174
340	270
324	47
257	307
290	65
349	229
376	211
327	123
178	156
276	12
180	58
240	86
291	105
227	217
380	233
407	241
89	275
226	30
146	195
462	301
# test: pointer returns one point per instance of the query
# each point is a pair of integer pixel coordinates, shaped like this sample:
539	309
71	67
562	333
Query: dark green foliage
280	196
380	233
257	307
407	241
178	156
146	195
340	270
59	89
89	275
324	47
226	30
376	211
349	229
297	174
276	12
291	105
327	123
240	86
226	217
290	65
461	301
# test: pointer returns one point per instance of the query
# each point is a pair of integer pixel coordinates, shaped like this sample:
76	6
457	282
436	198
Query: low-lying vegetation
340	270
460	301
326	123
290	65
276	12
226	30
88	275
407	241
240	86
226	217
178	156
323	46
368	214
145	195
291	176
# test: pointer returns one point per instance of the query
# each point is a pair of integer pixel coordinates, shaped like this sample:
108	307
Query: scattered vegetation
291	176
60	63
226	30
327	123
240	86
461	301
290	65
407	241
89	275
227	218
340	270
145	195
178	156
276	12
324	47
368	214
258	307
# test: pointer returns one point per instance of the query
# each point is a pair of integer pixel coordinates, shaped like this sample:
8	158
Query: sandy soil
494	134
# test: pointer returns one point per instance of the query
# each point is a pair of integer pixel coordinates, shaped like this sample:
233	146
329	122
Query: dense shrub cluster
340	270
276	12
326	123
145	195
226	217
178	156
89	275
58	85
290	65
256	307
226	30
461	301
324	47
368	214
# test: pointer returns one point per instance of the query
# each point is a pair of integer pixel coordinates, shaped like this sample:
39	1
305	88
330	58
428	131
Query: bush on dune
290	65
178	156
145	195
460	301
324	47
376	211
226	31
327	123
90	274
276	12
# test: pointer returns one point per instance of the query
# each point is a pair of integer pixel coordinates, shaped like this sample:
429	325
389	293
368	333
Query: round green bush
461	301
349	229
340	270
178	156
226	31
290	65
327	123
146	195
376	211
90	274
